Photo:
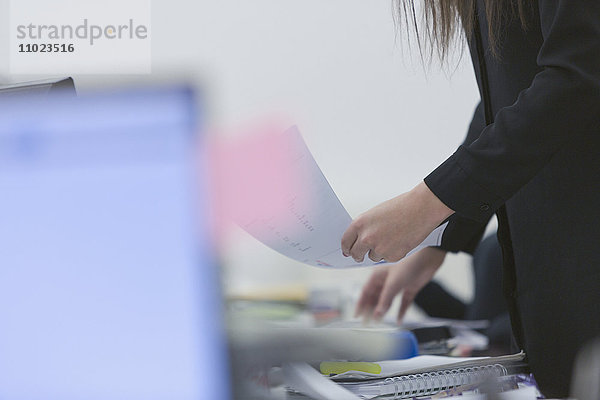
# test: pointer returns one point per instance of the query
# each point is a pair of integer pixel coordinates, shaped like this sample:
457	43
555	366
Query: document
302	218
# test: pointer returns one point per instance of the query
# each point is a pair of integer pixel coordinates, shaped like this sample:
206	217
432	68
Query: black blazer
532	156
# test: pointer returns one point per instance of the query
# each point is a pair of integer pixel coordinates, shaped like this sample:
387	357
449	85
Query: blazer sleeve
464	234
561	104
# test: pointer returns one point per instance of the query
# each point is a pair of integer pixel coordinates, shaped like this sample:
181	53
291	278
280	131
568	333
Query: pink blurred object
253	174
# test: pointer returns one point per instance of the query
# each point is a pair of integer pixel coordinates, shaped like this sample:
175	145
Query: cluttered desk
316	359
110	288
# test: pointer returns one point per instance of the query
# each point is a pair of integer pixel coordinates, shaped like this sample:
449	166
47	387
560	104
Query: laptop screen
108	283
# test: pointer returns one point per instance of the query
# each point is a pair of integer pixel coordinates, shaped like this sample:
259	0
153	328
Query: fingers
407	299
366	298
359	243
370	293
348	240
374	256
359	251
386	297
354	243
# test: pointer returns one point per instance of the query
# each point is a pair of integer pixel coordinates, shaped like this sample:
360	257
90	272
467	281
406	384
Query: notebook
421	377
416	377
426	364
424	384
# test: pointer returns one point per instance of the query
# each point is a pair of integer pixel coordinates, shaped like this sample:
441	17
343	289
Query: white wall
376	123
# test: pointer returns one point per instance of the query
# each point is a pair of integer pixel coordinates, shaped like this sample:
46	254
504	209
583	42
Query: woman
532	156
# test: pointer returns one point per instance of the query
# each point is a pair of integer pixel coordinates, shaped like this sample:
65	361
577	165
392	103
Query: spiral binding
430	383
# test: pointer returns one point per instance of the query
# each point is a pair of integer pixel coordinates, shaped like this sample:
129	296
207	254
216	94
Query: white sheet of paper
318	220
407	366
307	380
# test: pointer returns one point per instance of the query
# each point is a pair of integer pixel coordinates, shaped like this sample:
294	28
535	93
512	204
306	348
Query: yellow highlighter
334	368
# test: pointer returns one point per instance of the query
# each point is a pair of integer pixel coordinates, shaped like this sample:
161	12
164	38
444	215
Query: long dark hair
444	21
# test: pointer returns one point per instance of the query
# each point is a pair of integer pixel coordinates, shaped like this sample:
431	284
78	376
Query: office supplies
425	375
427	364
424	384
272	344
404	345
429	322
258	345
309	228
108	282
432	334
441	336
340	367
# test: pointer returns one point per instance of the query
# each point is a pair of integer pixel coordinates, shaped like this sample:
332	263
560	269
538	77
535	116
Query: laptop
39	88
108	282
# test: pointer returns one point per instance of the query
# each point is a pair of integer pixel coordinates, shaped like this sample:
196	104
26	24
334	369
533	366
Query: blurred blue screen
108	284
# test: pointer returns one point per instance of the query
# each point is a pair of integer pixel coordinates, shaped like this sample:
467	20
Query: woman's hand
393	228
408	276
